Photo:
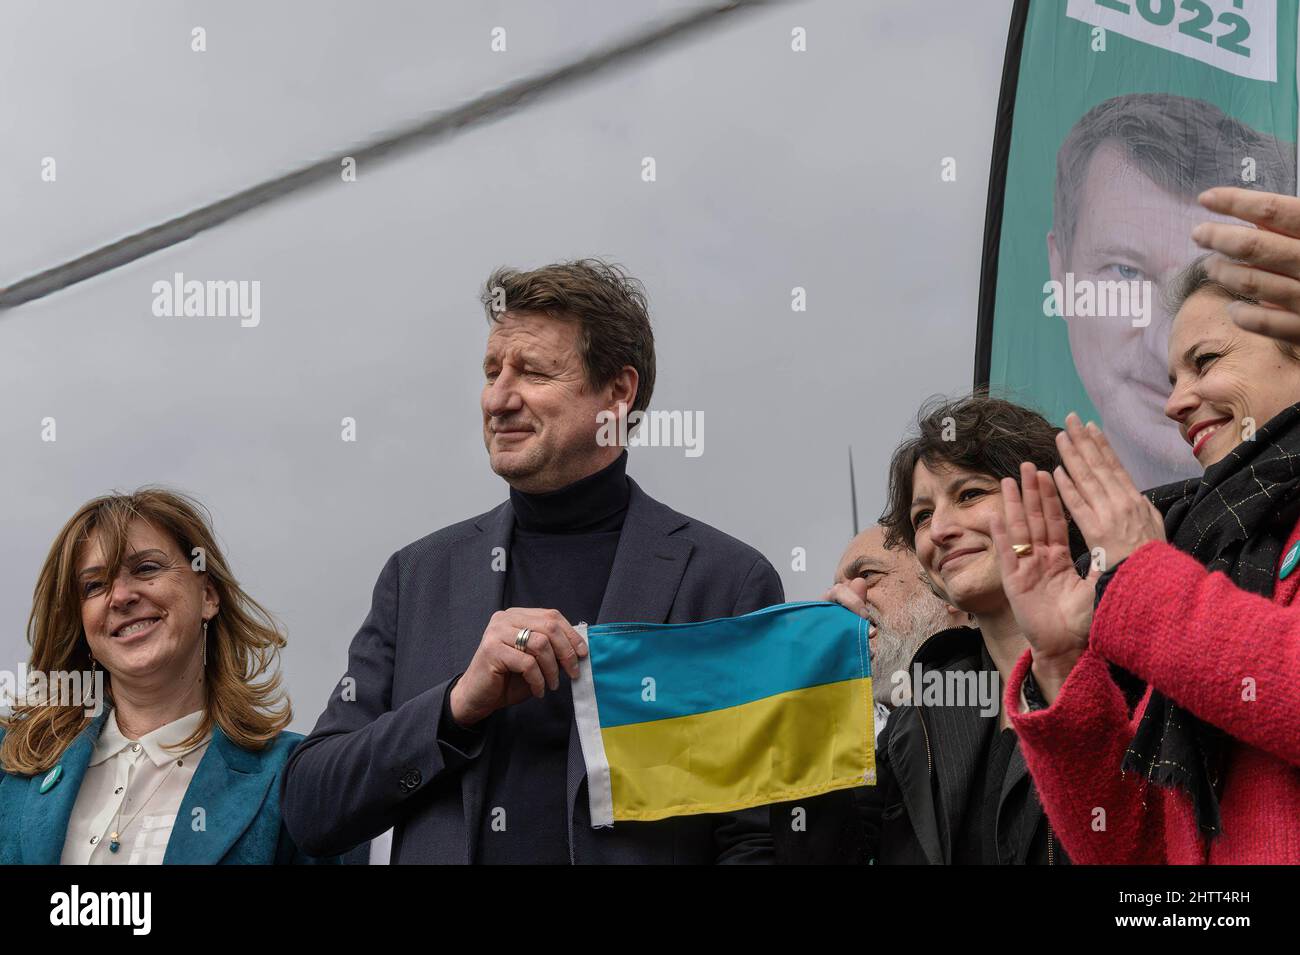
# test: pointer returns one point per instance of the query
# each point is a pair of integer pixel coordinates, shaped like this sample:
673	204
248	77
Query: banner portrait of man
1106	153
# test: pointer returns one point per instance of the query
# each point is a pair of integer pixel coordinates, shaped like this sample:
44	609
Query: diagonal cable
422	133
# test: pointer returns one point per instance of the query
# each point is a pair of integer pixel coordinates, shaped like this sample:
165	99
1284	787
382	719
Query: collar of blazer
228	787
648	568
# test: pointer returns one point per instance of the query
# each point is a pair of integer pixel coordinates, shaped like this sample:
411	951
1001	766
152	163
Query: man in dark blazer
454	722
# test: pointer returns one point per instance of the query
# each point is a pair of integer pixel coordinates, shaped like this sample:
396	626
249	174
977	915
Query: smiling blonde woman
1198	601
182	764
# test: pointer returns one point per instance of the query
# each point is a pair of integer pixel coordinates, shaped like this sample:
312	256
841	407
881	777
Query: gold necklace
114	840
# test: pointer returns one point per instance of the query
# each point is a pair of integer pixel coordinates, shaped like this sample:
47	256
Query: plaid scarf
1236	518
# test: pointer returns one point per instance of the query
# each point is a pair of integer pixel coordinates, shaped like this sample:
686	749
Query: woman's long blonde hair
241	677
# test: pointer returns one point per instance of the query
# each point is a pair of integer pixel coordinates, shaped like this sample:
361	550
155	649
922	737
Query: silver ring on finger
521	639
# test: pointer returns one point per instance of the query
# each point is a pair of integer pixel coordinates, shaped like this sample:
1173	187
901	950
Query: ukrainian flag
681	719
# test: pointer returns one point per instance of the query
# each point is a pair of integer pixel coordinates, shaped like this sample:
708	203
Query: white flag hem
600	795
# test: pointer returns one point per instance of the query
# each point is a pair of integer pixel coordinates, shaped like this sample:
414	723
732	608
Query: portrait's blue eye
1127	273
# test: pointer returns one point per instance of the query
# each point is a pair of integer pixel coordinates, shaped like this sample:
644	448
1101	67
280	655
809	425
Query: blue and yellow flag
682	719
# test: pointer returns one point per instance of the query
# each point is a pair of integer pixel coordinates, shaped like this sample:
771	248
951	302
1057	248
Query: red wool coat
1205	644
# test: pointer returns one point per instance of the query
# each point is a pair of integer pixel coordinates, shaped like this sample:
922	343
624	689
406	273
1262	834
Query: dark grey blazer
373	760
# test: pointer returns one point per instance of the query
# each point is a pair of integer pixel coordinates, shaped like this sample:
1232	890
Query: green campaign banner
1114	115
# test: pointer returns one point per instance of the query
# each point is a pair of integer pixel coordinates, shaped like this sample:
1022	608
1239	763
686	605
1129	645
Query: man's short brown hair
1184	145
609	305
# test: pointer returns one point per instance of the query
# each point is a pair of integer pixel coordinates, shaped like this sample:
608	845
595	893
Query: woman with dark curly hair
952	787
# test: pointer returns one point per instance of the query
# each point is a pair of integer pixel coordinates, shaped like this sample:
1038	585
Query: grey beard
893	650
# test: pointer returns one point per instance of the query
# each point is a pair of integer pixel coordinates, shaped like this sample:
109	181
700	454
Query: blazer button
411	780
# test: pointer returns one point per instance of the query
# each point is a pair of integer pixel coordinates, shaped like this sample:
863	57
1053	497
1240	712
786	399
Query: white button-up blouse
133	788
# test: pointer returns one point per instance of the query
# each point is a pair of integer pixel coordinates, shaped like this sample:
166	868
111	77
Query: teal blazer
238	790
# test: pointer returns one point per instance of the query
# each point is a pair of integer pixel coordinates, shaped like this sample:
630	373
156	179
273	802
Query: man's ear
623	388
1055	263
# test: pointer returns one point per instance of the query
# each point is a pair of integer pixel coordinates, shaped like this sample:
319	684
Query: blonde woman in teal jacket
174	748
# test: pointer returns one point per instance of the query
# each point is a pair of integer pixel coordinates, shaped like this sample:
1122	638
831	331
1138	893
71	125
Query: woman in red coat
1195	593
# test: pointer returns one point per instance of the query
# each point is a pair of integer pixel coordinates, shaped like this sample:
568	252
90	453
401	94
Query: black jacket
928	761
375	759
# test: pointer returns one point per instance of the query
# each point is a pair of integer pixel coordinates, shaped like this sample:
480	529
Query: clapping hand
1114	516
1051	602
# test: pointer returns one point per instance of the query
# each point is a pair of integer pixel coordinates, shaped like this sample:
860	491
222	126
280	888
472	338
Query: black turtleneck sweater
561	553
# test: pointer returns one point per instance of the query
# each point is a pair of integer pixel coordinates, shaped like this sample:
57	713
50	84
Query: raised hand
1114	516
1051	602
851	594
1269	266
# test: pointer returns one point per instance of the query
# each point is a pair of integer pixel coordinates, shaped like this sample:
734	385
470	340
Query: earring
205	644
89	694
